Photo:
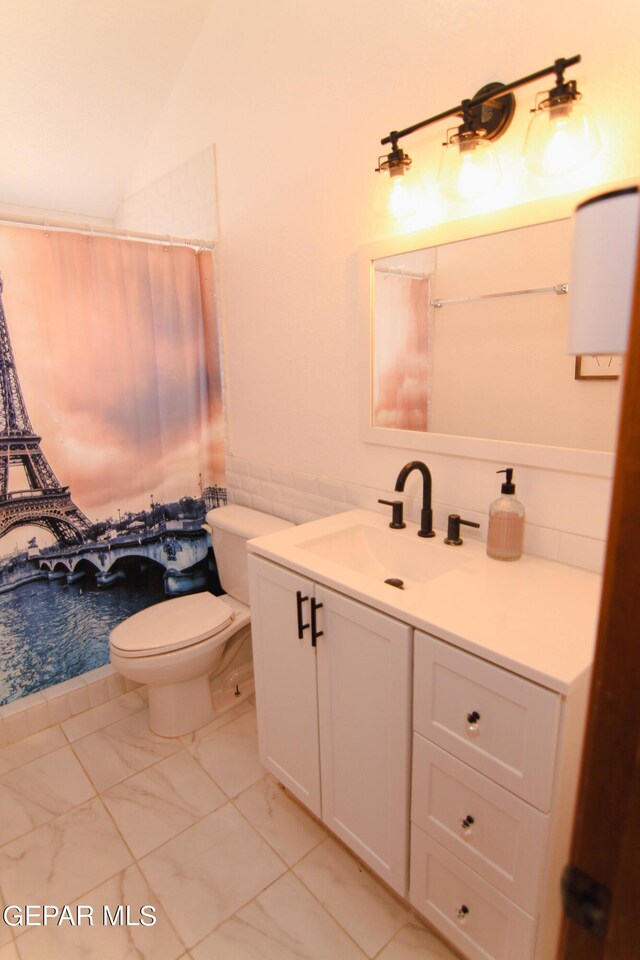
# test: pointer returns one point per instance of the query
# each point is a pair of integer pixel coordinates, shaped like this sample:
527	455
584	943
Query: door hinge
585	901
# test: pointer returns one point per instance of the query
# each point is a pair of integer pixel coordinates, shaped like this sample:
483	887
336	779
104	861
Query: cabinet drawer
500	724
498	835
477	919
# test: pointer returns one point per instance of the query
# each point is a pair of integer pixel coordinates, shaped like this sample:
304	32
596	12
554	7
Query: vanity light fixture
392	197
395	163
402	193
561	135
469	166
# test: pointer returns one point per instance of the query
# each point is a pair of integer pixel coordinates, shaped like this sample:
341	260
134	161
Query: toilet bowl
175	646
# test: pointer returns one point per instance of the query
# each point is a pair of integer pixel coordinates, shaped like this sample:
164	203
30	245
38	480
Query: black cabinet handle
299	601
315	633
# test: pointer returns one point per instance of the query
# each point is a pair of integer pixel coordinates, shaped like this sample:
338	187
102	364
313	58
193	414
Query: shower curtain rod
88	230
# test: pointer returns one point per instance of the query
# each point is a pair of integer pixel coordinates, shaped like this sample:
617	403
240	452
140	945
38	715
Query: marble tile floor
99	811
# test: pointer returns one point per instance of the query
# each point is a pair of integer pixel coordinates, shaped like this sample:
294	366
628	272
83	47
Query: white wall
296	97
181	203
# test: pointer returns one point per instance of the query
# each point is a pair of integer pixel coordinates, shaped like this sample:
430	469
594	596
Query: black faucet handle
397	506
453	537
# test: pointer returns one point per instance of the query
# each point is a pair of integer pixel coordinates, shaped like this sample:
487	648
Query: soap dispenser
506	523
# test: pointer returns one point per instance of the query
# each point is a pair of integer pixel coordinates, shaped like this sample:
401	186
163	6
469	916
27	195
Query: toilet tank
231	527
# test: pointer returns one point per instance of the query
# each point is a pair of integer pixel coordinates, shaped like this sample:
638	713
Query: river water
50	631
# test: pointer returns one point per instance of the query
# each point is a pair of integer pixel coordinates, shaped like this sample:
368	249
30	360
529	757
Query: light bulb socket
395	163
465	139
556	101
562	95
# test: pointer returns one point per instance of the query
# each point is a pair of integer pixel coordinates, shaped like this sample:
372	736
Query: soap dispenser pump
506	522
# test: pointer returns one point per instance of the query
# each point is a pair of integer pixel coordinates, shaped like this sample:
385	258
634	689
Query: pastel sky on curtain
116	349
401	360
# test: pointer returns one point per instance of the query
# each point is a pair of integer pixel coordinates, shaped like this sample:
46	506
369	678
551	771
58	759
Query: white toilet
175	646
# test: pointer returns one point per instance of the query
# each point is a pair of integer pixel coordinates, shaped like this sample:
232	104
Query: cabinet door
285	671
364	701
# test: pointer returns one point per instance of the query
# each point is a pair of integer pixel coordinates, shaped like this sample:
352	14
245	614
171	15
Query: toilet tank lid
171	624
245	522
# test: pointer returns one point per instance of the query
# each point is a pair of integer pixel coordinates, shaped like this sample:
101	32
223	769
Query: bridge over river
180	546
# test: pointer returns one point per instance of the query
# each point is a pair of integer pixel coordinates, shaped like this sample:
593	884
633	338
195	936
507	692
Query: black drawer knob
473	719
462	913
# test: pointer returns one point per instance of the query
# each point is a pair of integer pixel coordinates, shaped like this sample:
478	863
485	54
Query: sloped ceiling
82	83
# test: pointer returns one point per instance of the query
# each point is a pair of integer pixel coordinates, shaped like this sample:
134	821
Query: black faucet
426	514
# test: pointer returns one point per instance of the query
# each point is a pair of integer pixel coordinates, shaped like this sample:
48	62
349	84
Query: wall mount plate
496	114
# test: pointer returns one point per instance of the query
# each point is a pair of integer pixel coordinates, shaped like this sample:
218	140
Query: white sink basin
383	553
535	617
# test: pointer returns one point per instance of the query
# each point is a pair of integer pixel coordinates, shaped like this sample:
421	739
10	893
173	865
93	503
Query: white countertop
535	617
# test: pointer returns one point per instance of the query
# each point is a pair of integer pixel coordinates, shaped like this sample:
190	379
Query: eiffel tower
46	503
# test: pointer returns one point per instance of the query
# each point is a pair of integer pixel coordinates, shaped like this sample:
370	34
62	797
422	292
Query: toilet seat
171	625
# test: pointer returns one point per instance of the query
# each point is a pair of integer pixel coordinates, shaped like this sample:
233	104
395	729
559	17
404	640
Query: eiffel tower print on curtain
45	502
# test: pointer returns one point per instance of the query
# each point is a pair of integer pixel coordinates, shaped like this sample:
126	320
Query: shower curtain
111	442
401	356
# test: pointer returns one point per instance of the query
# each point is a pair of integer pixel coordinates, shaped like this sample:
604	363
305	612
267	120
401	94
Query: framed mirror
466	328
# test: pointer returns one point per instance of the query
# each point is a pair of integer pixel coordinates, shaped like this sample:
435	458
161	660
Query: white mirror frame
589	462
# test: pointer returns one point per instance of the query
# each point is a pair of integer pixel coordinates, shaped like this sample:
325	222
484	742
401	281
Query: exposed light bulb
400	196
469	169
560	139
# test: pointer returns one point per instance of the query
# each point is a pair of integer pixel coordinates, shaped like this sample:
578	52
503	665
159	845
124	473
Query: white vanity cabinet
490	768
437	730
334	719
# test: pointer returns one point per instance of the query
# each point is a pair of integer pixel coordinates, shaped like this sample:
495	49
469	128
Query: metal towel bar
559	289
